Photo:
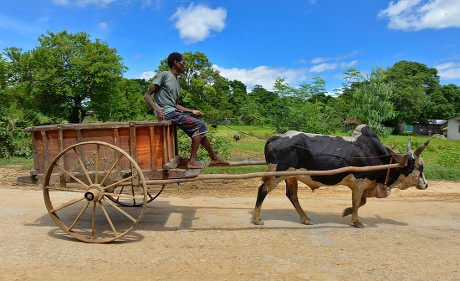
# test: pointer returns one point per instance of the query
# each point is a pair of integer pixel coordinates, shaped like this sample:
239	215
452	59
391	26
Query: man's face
180	66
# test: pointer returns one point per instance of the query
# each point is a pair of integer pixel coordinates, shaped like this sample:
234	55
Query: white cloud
324	67
196	23
319	60
449	71
331	66
146	75
103	26
263	75
422	14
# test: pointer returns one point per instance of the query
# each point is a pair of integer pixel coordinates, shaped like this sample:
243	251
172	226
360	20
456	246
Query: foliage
66	71
6	136
370	101
219	144
304	109
413	84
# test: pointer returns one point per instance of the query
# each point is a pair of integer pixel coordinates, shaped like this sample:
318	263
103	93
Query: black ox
296	150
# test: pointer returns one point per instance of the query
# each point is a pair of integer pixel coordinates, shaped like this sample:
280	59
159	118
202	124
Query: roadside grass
441	157
21	163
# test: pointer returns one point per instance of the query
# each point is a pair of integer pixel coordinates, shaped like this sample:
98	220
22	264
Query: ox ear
400	158
421	148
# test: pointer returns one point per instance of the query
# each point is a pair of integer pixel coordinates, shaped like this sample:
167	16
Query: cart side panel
159	146
51	146
151	144
143	149
70	138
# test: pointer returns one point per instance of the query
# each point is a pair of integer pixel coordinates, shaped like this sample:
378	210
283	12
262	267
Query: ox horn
421	148
409	147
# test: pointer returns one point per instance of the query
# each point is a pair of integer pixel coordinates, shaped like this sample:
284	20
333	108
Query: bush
6	136
219	144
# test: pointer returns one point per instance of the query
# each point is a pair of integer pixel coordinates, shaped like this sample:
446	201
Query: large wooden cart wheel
79	187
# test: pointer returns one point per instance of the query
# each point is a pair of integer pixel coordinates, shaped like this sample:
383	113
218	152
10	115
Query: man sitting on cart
165	103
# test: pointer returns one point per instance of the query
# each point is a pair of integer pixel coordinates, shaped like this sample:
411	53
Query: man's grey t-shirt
167	94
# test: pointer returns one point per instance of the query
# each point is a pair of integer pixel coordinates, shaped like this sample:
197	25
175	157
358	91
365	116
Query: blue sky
254	41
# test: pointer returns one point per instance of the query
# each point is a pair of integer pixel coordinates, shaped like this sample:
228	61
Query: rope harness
388	172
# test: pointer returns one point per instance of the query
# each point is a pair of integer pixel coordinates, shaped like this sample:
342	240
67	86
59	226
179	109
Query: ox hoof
357	224
257	222
307	222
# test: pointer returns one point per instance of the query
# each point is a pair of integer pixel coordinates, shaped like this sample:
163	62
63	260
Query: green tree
125	104
303	108
70	71
414	83
238	97
451	93
370	101
266	104
6	137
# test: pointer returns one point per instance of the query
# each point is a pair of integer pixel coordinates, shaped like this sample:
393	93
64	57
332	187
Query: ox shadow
163	216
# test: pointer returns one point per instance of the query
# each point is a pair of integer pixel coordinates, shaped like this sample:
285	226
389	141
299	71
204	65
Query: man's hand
160	115
197	112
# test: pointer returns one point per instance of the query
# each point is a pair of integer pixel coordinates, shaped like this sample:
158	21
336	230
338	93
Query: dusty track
202	231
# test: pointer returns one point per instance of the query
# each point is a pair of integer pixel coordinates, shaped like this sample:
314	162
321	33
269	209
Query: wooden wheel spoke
127	196
96	176
93	221
119	182
106	214
112	168
73	189
70	175
67	204
120	210
80	161
79	215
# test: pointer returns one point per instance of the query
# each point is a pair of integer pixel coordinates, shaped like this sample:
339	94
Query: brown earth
202	231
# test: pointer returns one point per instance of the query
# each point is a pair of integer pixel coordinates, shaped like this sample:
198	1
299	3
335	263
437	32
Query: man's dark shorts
190	125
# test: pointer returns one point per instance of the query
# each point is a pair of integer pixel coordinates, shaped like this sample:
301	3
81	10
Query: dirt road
202	231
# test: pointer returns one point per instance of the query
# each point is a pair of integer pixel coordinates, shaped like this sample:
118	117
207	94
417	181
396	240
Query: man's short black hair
173	58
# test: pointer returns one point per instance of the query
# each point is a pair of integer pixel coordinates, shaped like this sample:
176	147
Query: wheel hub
94	194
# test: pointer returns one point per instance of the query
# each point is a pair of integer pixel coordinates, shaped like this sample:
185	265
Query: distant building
434	127
453	128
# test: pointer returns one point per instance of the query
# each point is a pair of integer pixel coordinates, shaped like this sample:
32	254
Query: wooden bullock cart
94	174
